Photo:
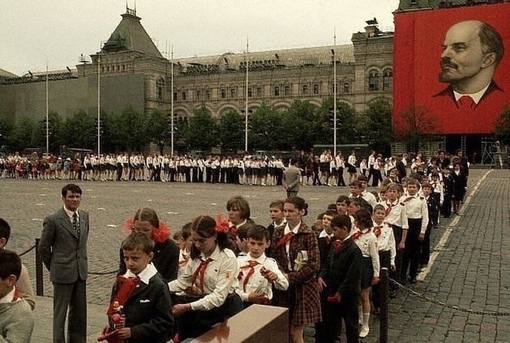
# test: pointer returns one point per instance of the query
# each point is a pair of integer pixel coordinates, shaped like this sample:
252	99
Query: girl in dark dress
459	186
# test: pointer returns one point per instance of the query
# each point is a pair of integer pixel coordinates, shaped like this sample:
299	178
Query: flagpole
246	101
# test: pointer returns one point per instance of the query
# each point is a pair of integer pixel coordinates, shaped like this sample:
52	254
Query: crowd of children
326	274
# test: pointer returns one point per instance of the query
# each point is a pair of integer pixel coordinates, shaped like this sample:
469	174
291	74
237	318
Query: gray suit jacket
291	178
64	253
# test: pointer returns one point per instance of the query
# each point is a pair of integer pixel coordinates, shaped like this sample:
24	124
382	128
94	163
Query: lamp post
246	102
334	95
99	102
47	113
172	104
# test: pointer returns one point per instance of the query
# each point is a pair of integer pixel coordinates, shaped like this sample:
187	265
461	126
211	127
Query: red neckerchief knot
356	235
377	230
251	269
199	274
286	238
338	245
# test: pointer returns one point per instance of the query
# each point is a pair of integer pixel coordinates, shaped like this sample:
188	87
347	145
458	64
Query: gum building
130	71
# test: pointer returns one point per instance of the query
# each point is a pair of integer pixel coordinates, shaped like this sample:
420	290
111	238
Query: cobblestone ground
470	268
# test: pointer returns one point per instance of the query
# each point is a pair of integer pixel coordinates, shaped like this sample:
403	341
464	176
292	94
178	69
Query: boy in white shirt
258	273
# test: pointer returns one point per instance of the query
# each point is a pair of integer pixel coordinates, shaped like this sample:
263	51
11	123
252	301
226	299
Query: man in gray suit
291	177
63	249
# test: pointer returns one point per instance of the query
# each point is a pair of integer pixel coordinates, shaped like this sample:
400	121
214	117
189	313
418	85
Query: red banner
450	73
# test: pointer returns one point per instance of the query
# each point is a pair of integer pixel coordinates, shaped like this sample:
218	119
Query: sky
39	33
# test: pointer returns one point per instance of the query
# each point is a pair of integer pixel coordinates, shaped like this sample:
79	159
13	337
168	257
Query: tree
347	123
129	130
231	130
202	130
416	123
302	125
502	132
24	134
156	128
376	125
80	131
267	132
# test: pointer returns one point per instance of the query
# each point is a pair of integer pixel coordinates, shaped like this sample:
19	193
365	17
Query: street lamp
334	94
246	101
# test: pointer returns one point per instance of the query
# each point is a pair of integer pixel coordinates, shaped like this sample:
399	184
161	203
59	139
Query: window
184	96
199	94
250	93
347	87
223	93
304	90
175	96
259	91
208	94
287	90
388	80
160	86
233	93
123	67
315	89
276	91
373	81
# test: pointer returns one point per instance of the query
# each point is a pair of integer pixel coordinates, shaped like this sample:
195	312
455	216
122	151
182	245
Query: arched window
276	91
223	93
346	87
304	90
316	89
388	80
287	90
373	81
160	88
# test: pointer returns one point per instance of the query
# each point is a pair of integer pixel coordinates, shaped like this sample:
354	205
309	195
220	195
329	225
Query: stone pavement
470	268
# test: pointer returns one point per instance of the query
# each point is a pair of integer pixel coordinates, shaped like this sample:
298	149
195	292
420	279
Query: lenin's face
462	56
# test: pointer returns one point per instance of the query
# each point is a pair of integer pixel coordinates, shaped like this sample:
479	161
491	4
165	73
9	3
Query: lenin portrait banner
451	73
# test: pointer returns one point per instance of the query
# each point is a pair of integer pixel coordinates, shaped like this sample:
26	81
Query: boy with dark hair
258	273
23	284
242	239
140	308
16	318
433	208
278	220
340	277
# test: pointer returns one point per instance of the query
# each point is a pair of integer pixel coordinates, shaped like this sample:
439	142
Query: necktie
286	238
337	245
76	224
251	269
199	274
466	102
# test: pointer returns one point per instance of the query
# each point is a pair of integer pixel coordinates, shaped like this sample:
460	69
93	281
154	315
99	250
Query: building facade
130	71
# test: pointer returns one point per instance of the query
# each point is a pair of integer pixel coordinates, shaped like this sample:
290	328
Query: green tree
502	132
80	131
267	131
128	130
347	123
156	128
202	130
231	130
376	125
302	125
25	134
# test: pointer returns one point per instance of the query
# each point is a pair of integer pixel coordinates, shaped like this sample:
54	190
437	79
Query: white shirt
145	275
396	215
367	243
220	279
416	208
287	245
258	283
386	241
475	96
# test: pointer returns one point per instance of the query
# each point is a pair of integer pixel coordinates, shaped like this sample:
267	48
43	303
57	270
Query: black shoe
412	280
393	293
